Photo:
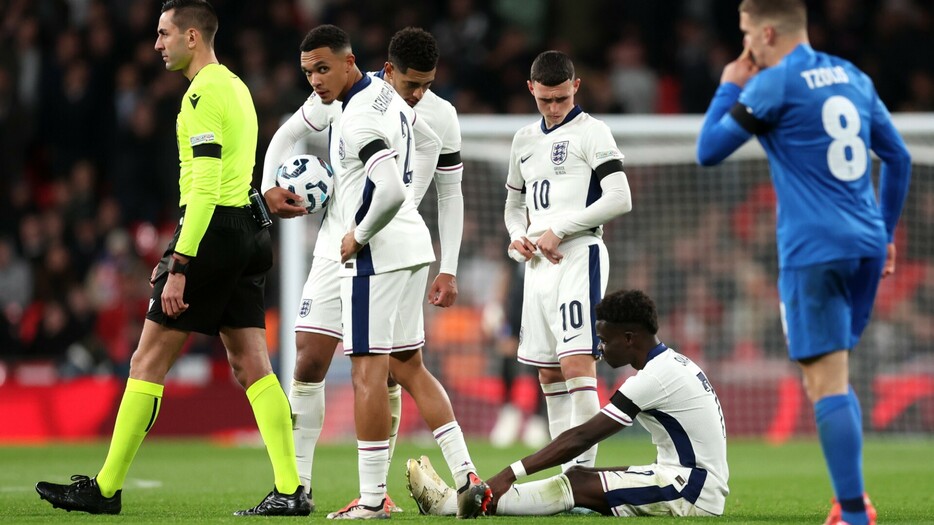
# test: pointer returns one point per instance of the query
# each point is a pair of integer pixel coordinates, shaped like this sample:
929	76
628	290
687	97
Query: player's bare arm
570	444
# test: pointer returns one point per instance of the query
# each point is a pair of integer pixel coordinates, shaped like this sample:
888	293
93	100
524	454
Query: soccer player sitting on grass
670	396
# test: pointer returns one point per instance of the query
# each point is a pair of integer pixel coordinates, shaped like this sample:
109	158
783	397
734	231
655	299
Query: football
307	176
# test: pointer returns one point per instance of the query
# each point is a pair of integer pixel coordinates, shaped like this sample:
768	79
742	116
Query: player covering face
817	116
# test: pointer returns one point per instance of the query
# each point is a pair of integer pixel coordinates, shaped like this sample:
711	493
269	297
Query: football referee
212	277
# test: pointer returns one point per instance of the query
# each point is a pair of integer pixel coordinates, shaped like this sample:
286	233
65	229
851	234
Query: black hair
198	14
629	307
415	48
552	68
326	35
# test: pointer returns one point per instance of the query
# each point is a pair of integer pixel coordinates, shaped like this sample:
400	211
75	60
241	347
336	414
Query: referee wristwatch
177	266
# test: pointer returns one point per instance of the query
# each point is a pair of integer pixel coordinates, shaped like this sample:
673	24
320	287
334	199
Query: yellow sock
273	417
138	410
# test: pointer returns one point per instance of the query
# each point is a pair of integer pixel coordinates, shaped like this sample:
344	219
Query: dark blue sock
841	437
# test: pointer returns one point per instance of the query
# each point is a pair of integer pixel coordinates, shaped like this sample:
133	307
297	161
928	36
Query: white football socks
558	403
395	414
451	440
537	498
373	466
585	403
307	401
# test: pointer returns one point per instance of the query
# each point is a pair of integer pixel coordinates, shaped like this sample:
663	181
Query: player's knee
578	474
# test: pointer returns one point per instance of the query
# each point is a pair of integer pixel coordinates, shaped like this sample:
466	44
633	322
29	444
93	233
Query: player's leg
582	283
408	368
557	400
158	349
246	352
368	309
580	380
537	341
537	498
317	332
826	308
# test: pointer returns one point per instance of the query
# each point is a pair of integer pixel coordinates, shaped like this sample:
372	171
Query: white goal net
701	242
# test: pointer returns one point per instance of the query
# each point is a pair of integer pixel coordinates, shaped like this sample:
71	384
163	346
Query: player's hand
443	291
349	246
889	267
521	250
284	204
740	70
548	245
173	295
500	483
152	278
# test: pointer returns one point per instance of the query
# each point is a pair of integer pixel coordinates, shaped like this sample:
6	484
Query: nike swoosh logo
525	158
579	461
566	339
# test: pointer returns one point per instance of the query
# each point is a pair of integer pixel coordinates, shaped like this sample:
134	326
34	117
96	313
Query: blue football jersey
817	117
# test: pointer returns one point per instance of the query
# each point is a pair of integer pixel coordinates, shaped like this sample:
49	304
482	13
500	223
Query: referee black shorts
225	283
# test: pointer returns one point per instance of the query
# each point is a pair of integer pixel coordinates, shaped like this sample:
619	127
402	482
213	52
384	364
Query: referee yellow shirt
216	131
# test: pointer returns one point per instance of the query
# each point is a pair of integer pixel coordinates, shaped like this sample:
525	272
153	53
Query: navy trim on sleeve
206	150
449	159
608	167
625	404
371	149
744	117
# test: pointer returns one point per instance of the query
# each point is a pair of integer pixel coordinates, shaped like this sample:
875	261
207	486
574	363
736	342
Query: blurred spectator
15	280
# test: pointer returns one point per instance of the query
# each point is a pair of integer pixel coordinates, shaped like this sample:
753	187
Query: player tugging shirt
216	131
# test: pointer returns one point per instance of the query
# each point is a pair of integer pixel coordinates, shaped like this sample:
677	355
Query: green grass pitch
199	482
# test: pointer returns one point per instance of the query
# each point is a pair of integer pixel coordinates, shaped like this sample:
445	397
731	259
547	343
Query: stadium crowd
88	192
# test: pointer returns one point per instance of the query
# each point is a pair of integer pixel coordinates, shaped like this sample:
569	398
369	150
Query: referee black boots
278	504
83	495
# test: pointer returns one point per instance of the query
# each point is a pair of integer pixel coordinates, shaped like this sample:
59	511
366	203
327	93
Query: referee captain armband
518	469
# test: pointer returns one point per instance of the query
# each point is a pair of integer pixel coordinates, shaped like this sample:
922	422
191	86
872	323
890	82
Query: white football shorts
320	308
558	301
383	313
649	490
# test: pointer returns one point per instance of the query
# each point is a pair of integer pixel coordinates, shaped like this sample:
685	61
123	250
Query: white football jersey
556	168
442	119
318	118
372	112
675	402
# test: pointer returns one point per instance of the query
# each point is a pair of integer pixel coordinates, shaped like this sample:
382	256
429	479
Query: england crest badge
559	152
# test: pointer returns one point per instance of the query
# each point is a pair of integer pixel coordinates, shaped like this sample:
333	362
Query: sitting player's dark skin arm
570	444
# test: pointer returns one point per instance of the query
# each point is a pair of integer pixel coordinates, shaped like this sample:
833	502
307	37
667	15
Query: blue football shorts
825	307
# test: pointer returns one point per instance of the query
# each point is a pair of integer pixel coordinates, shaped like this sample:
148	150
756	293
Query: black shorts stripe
625	405
747	120
206	150
608	167
449	159
371	149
